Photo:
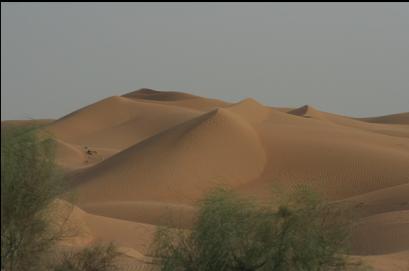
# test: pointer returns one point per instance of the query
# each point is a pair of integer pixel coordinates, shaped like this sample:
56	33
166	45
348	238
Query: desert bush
30	181
233	233
94	258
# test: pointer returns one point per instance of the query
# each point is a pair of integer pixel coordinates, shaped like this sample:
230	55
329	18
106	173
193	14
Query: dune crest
175	98
118	122
250	109
307	111
400	118
150	94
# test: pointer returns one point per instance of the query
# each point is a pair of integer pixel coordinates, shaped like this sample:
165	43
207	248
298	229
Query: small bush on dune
232	233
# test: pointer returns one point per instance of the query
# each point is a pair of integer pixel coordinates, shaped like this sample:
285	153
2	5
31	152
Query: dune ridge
399	118
136	158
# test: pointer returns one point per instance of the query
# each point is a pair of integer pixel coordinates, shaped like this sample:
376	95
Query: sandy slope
151	212
382	127
116	122
153	154
389	262
400	118
83	229
71	156
217	147
339	160
382	234
394	198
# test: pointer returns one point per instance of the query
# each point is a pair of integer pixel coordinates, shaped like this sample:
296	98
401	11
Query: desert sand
134	159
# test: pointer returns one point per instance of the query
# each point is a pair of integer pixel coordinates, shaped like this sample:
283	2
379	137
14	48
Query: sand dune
117	122
176	99
340	161
307	111
250	110
215	148
389	262
71	156
401	118
134	159
83	229
394	198
150	94
400	128
150	212
382	234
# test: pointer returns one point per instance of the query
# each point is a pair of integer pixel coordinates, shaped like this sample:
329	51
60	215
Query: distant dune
37	122
401	118
134	159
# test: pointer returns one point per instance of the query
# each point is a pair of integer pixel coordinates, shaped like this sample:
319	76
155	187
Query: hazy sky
345	58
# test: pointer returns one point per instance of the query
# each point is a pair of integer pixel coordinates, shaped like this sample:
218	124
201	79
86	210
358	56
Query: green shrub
30	181
94	258
232	233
